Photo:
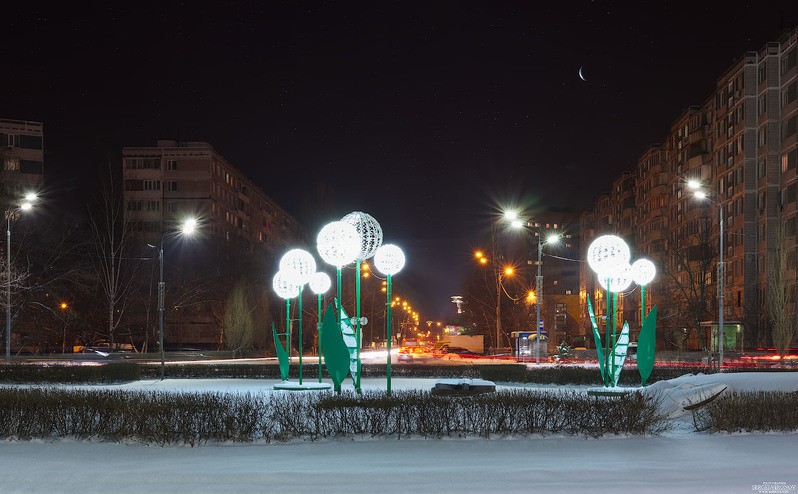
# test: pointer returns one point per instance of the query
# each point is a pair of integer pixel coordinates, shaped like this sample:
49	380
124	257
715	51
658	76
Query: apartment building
612	214
174	179
171	181
741	144
22	157
560	270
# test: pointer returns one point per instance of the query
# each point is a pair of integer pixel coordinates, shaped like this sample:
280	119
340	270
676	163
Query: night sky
431	116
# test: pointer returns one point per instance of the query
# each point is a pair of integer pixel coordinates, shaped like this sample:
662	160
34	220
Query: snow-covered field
680	460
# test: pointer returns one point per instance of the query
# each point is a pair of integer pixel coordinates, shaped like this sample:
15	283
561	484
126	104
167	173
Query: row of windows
143	163
171	206
144	205
149	164
24	166
137	185
22	141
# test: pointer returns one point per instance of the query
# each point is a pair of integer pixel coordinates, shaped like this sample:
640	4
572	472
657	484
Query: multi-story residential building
612	214
560	270
22	158
173	180
742	145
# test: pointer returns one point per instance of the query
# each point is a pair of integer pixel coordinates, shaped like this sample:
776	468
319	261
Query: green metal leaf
647	346
335	352
597	339
348	334
282	355
619	353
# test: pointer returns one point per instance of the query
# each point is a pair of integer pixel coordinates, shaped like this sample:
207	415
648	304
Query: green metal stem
338	294
614	334
642	304
357	329
388	332
318	333
608	319
288	329
299	303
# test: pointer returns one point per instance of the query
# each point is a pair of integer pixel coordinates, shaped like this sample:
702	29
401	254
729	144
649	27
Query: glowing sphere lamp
319	284
606	252
298	266
389	260
370	233
643	272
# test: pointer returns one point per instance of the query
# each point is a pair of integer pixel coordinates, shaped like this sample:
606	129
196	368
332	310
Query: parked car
453	352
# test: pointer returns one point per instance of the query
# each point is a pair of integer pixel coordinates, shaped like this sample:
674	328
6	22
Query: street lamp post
187	228
370	233
389	260
319	284
299	266
701	194
516	223
507	271
608	256
551	239
26	205
539	296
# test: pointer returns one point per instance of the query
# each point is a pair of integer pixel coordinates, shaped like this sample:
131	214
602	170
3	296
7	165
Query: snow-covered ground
680	460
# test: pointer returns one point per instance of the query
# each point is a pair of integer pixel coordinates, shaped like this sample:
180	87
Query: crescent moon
582	76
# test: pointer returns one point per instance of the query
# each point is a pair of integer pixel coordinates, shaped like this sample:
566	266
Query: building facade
741	146
172	181
22	158
560	270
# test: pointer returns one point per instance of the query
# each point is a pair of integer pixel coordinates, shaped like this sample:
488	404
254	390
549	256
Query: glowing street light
700	193
12	211
319	284
370	234
389	260
608	256
550	239
299	267
338	244
643	272
285	288
186	228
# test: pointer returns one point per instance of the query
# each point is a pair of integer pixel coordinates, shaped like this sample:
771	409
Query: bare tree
49	270
239	325
778	292
688	271
115	271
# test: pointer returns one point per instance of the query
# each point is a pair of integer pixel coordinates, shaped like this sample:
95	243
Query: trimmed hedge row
565	374
750	412
70	374
195	418
109	372
272	370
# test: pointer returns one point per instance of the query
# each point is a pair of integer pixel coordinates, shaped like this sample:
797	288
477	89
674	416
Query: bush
750	412
70	374
116	371
568	374
195	418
